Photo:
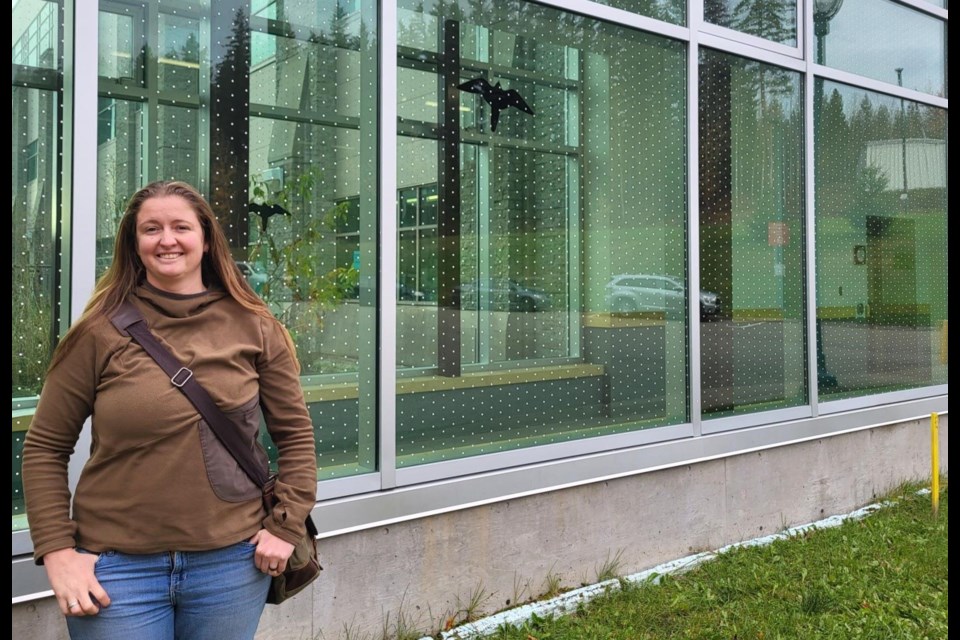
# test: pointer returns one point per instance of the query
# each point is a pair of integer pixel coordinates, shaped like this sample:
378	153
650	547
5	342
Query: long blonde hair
126	271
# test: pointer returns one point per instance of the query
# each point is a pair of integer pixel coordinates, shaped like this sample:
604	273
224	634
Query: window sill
472	380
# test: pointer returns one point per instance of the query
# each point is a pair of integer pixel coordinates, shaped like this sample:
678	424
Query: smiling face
171	244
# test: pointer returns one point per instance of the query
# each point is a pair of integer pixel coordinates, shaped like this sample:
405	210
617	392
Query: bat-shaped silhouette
265	211
498	99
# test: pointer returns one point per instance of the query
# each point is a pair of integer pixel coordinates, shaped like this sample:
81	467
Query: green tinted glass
881	234
773	20
752	336
549	172
885	41
279	90
37	275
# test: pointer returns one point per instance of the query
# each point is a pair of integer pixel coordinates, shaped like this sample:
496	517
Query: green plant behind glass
31	322
298	289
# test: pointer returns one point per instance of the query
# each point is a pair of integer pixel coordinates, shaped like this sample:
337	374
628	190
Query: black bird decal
265	211
498	99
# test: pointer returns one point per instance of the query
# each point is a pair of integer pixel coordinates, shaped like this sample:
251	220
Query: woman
168	538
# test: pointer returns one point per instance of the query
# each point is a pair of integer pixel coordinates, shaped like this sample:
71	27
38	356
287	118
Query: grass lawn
881	577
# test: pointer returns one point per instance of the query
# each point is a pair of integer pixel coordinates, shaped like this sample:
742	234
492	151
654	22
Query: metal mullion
574	104
37	78
879	86
416	241
929	9
387	230
299	116
415	129
79	233
419	59
810	286
510	73
761	46
504	142
80	222
171	97
483	339
432	132
448	207
751	51
693	217
61	222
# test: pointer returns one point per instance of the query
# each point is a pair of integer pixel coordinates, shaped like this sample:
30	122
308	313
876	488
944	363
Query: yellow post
935	460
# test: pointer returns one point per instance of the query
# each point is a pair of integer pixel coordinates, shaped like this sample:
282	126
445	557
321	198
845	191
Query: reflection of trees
545	25
32	284
189	52
35	258
774	20
766	103
845	184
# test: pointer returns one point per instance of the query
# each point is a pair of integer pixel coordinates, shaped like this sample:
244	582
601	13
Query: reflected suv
641	292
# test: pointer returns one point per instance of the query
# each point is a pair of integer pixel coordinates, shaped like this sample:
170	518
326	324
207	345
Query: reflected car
641	292
503	294
254	274
404	292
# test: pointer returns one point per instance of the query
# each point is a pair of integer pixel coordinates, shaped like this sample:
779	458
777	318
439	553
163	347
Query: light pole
903	134
823	13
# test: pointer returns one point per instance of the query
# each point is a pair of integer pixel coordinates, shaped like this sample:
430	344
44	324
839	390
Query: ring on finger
71	605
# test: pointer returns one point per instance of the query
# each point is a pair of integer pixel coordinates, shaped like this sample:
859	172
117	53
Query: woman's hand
74	584
272	552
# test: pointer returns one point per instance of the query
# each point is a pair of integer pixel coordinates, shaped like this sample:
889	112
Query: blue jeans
182	595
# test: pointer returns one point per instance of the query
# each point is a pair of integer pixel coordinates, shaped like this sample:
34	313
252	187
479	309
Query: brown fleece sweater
157	478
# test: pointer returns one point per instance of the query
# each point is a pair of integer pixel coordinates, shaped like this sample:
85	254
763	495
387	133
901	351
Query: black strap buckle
178	380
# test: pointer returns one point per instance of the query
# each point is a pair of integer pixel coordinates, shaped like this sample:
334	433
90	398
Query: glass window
312	151
119	169
122	42
36	36
672	11
418	240
35	179
564	173
106	122
179	46
881	238
283	165
752	336
884	40
773	20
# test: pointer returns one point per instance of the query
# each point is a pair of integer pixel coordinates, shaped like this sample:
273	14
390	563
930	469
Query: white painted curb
567	602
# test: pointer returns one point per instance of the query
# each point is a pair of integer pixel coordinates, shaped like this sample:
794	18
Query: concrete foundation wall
424	571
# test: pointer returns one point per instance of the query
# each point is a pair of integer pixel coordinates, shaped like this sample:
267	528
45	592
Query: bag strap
129	321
